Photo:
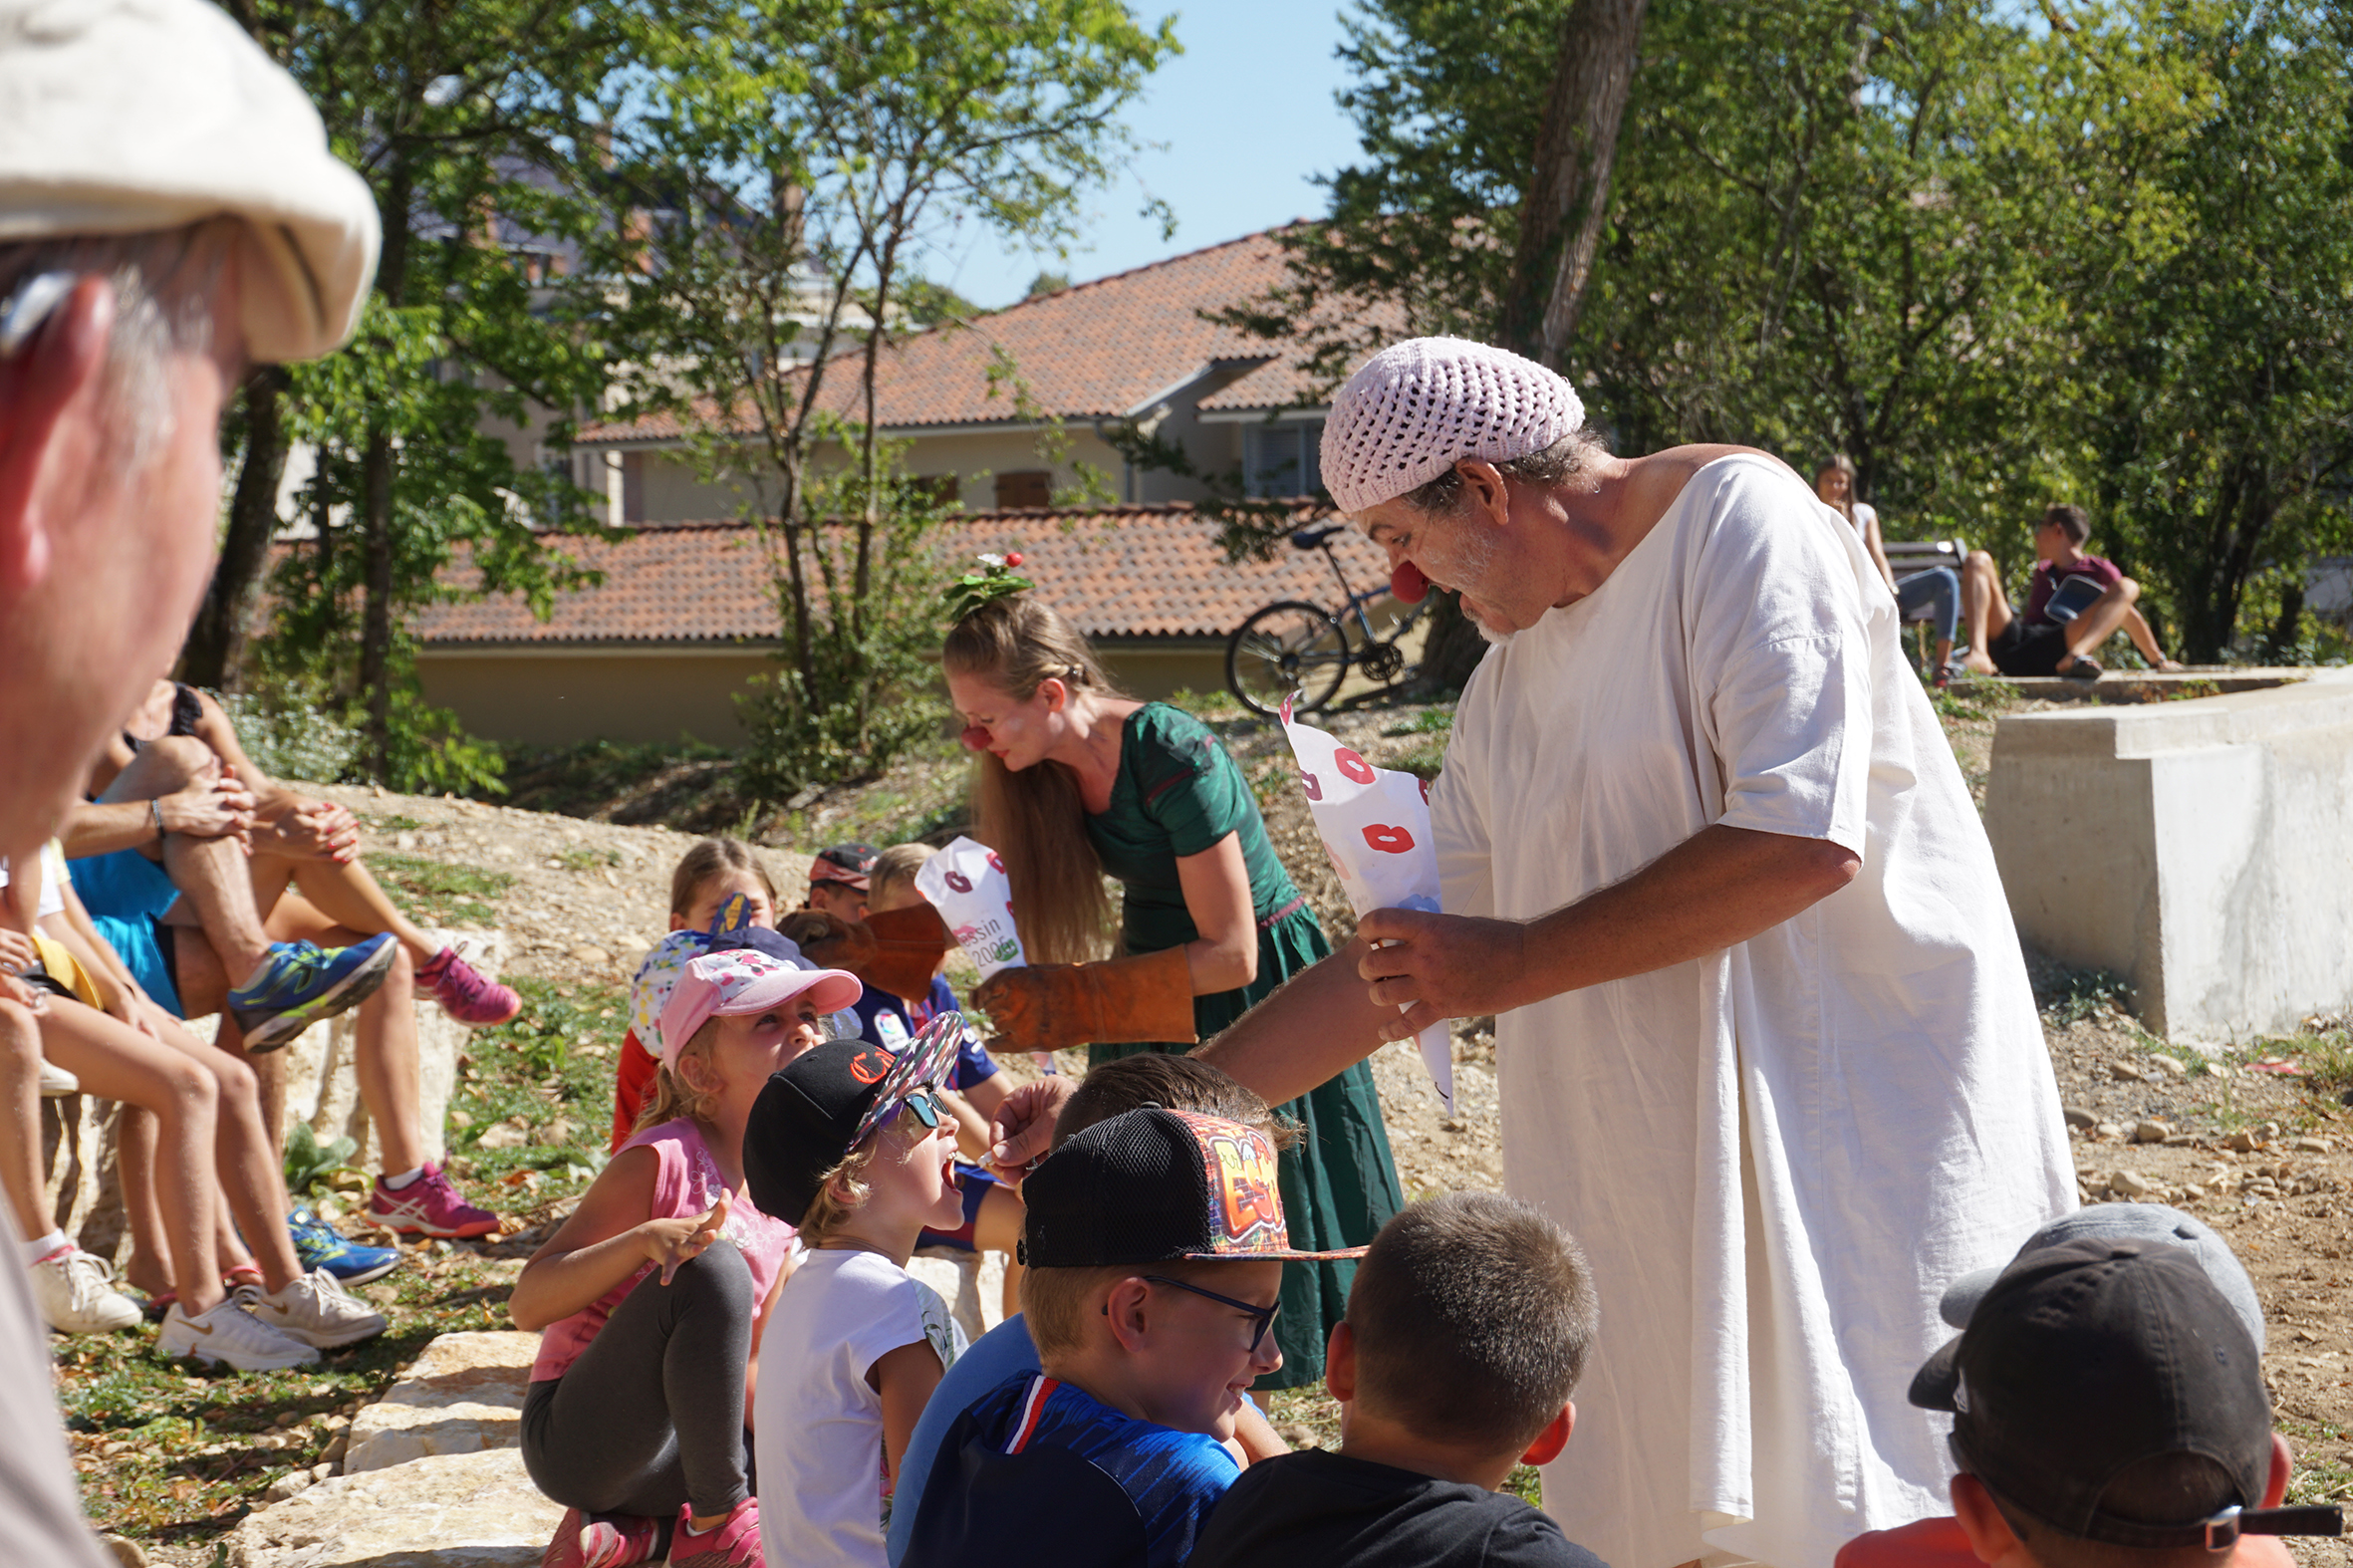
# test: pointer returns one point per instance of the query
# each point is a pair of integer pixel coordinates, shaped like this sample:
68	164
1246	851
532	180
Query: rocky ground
2256	1140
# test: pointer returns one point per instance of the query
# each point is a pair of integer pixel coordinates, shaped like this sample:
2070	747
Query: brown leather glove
909	944
1054	1007
829	942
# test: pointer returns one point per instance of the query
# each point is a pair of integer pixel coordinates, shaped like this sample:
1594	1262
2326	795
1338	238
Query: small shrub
309	1163
289	736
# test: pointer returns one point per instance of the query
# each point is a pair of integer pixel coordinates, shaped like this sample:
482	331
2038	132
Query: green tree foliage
474	146
2001	258
783	166
2221	380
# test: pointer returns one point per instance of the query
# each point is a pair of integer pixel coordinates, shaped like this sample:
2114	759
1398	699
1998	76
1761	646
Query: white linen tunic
1778	1156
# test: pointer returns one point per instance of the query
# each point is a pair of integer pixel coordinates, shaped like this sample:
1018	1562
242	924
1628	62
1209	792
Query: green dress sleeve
1188	786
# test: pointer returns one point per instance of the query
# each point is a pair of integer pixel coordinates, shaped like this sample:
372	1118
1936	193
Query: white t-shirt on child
817	1424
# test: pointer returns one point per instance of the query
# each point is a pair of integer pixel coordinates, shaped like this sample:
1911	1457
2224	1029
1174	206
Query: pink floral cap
717	984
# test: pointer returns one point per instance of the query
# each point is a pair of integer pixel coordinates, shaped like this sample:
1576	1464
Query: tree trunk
376	497
1454	646
2282	642
1568	195
215	653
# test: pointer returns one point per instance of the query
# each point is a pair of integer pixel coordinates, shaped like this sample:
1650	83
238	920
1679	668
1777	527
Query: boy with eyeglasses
1155	1243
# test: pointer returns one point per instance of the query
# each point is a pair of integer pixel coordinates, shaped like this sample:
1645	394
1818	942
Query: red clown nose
975	738
1407	583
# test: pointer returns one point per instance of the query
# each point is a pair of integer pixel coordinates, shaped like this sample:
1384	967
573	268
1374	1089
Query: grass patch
2066	995
173	1455
1422	761
1429	721
439	893
1977	698
580	860
395	823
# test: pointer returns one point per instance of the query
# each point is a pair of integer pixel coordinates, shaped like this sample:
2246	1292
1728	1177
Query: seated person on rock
1154	1250
1178	1083
1467	1327
176	787
2109	1410
2040	641
652	1297
196	1163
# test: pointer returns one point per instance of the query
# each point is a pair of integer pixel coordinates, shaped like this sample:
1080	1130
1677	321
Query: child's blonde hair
675	1094
709	860
840	1192
1055	1302
896	868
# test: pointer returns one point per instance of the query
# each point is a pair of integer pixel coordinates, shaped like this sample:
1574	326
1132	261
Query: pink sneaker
734	1542
428	1206
587	1540
464	994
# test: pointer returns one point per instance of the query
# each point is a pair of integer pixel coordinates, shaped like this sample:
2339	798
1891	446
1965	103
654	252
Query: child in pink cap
652	1296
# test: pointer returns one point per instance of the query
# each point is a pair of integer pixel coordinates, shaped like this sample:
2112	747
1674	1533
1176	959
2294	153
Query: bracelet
156	809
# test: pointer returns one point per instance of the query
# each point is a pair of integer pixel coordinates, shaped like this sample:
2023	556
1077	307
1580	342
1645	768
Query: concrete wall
557	696
2203	848
552	696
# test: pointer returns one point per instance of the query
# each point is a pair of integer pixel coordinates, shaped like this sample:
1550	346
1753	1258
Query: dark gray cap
2125	1222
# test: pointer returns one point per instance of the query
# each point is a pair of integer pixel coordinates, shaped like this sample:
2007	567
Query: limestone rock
2130	1184
2077	1117
2172	1064
2310	1146
323	1089
455	1510
971	1283
2151	1132
463	1394
127	1552
79	1193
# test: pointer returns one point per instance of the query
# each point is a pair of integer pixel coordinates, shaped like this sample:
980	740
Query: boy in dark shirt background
2039	641
1466	1329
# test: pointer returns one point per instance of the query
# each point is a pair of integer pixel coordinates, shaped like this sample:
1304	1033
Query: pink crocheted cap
1417	407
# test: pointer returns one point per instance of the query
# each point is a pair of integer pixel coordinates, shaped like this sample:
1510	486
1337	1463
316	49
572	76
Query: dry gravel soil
2255	1141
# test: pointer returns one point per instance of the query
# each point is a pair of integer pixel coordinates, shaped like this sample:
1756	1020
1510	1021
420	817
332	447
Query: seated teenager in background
2041	641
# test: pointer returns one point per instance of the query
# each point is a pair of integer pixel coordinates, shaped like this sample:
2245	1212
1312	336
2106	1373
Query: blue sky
1245	118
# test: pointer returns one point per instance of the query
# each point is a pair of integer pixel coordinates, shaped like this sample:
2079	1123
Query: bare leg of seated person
1984	609
73	1290
411	1194
2097	623
347	896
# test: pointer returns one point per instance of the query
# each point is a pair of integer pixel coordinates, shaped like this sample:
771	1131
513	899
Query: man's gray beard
1479	552
1495	638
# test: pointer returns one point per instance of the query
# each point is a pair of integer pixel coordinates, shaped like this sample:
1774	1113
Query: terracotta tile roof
1279	384
1098	350
1122	572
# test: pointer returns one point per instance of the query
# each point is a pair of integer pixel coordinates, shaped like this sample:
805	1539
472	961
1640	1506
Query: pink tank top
687	1183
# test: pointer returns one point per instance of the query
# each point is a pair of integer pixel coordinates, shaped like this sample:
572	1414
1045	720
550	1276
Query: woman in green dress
1078	781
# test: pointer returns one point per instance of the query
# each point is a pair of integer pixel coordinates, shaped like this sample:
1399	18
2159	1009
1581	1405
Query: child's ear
1552	1439
1125	1308
1340	1362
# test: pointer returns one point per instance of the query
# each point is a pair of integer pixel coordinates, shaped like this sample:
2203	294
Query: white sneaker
314	1308
77	1294
228	1333
57	1083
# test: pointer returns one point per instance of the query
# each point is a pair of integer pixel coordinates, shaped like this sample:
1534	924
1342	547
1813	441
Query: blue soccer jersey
1036	1455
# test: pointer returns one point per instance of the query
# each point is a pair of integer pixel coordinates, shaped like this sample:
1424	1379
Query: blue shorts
976	1184
127	896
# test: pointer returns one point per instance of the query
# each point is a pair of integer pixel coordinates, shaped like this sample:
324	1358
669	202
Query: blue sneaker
301	984
319	1245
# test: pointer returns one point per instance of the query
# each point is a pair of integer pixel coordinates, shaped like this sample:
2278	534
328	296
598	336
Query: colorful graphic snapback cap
1153	1186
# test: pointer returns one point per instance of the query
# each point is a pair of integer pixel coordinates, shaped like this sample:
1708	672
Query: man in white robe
1764	1037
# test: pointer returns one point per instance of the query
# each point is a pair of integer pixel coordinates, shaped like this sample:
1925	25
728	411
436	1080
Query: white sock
41	1247
395	1184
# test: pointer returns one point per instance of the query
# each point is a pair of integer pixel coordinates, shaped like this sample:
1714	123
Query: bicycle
1292	646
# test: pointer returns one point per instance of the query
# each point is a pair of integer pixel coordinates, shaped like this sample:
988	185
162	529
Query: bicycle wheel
1284	647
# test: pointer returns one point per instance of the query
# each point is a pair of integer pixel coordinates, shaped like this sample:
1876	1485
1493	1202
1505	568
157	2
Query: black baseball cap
1153	1185
824	1102
2087	1357
851	865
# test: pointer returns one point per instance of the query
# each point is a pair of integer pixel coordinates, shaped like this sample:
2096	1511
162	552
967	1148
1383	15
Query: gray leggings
1938	588
651	1416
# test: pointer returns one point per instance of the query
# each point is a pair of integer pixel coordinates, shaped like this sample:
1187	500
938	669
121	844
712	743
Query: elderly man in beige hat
1764	1037
169	212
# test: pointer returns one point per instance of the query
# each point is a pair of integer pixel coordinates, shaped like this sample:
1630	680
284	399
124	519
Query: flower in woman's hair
994	579
1012	558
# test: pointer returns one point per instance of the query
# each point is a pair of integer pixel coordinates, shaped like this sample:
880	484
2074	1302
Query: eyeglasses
924	1104
1261	1318
34	298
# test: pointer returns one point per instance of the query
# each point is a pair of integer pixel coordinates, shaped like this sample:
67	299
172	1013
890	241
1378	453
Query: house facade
1008	415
